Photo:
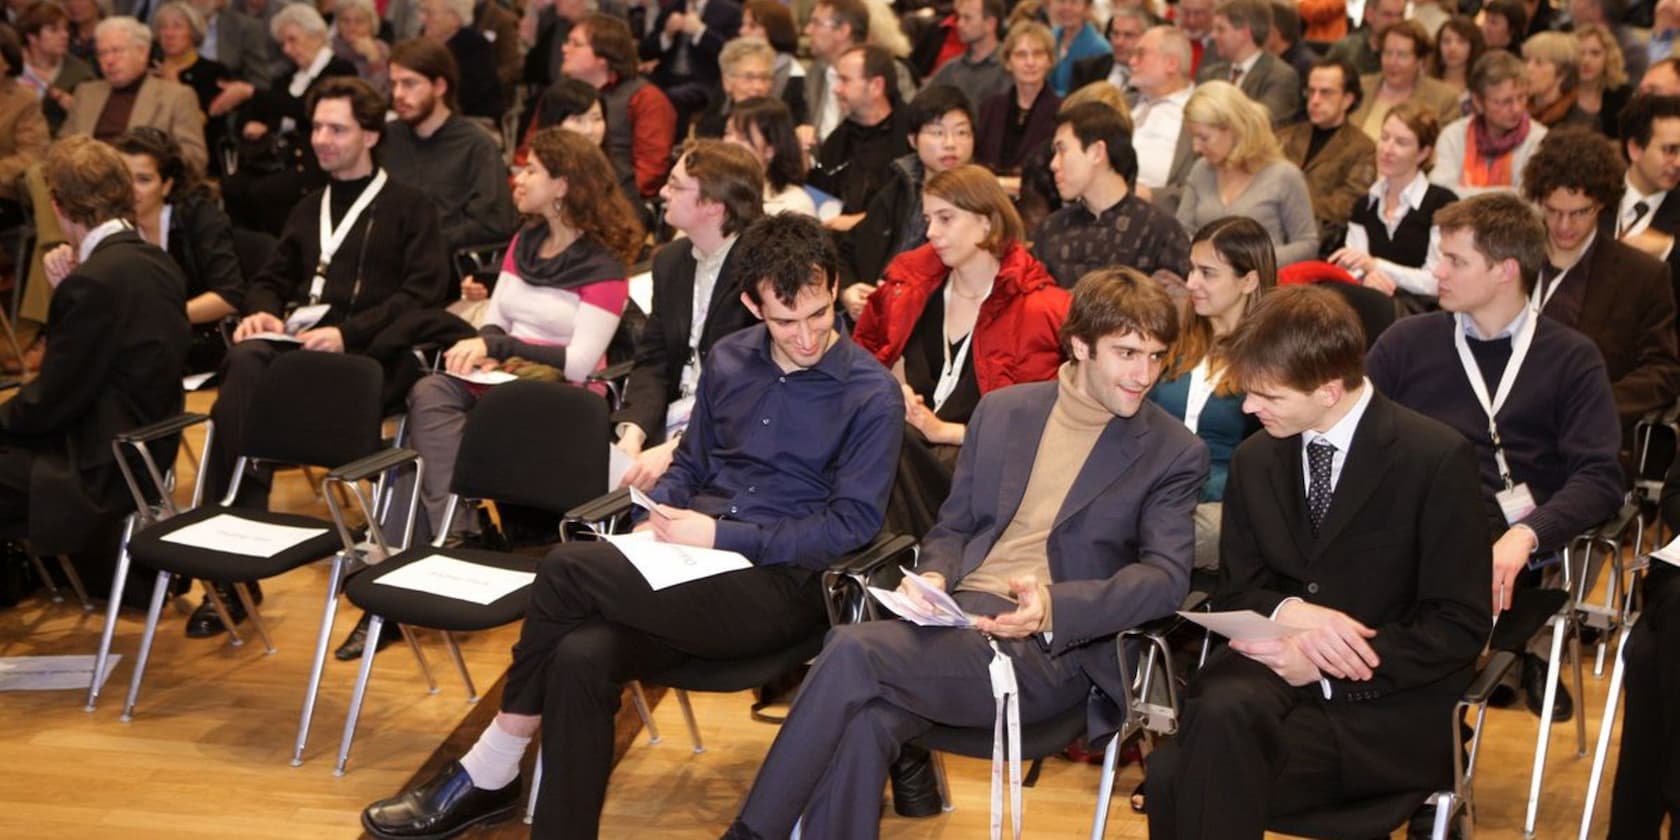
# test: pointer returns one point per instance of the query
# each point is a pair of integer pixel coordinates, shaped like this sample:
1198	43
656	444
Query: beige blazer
161	104
1433	93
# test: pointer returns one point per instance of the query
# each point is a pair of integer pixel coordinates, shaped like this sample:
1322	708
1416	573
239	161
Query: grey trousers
437	413
875	686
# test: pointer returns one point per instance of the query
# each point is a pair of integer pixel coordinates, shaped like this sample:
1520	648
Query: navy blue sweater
1559	424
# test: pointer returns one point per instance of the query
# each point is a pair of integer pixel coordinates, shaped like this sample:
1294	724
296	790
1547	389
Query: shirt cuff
1324	685
1279	607
737	536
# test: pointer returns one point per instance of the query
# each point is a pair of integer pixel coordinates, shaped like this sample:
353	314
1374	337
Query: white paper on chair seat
1241	625
450	578
666	564
485	377
1669	553
238	535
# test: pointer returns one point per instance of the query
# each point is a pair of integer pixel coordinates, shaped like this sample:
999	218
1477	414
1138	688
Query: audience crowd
1100	301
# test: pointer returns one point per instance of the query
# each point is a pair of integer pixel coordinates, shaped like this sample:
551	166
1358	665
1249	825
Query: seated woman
746	66
1014	122
175	210
765	127
1241	171
179	29
1601	87
356	40
772	21
1231	267
967	313
940	125
556	304
1552	59
1405	49
1392	245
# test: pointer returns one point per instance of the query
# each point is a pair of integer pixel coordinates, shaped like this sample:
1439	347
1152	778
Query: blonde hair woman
1241	171
1602	88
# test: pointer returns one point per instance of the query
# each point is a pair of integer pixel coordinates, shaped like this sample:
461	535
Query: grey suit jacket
1121	546
242	46
160	104
1270	82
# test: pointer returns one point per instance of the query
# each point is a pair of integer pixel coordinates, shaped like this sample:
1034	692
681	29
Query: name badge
1516	503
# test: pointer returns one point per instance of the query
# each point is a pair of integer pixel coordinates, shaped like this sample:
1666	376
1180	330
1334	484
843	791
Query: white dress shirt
1339	436
1155	137
1417	280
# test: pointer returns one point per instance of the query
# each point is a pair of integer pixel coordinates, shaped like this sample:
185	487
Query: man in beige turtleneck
1069	520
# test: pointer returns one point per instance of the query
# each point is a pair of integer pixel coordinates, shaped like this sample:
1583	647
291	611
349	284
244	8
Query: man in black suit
1125	29
715	190
117	338
1069	520
1645	217
1240	30
1360	523
686	40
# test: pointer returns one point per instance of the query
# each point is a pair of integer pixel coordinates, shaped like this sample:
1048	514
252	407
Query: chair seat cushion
423	609
730	675
1038	738
150	549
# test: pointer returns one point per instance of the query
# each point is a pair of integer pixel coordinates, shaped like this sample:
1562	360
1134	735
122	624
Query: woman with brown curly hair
556	303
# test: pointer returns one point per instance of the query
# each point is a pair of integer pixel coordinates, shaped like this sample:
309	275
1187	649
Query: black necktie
1319	456
1640	208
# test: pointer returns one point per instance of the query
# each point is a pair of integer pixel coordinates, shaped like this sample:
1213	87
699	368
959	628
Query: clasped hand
1331	643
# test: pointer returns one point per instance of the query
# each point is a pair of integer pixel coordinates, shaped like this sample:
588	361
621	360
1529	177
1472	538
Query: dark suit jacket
117	339
994	119
1093	69
1628	312
723	21
1269	82
1340	175
1667	220
1404	549
242	47
1121	547
662	347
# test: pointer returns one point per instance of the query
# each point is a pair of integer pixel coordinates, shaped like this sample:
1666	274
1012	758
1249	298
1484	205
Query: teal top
1222	426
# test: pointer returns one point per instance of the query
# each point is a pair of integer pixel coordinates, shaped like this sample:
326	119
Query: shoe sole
483	819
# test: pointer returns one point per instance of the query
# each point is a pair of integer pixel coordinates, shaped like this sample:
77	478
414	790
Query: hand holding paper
642	500
1332	640
920	602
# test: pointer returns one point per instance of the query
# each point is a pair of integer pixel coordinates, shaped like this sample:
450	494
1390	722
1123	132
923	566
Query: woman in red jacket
967	313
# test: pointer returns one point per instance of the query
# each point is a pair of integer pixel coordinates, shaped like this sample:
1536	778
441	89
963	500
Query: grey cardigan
1277	198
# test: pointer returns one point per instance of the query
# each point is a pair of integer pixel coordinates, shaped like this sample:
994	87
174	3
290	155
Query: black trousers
1264	746
242	370
593	624
15	465
1648	772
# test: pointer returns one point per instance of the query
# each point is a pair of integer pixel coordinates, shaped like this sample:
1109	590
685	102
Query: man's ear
747	301
1079	349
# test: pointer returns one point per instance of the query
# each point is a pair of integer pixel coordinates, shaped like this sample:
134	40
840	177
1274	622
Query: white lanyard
1201	388
163	226
1007	695
1540	301
952	371
332	238
1519	351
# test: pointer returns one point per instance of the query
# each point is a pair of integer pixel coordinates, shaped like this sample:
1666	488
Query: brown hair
1502	227
1297	337
729	175
432	60
609	38
367	107
38	17
593	203
1411	30
88	181
1245	246
1117	301
853	13
974	189
1422	121
777	21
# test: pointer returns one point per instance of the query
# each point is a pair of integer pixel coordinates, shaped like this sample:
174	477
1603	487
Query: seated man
684	48
380	257
118	343
1240	30
1161	73
787	460
853	162
1041	535
449	23
435	150
1105	223
1359	521
1648	215
715	191
1338	160
641	124
1558	434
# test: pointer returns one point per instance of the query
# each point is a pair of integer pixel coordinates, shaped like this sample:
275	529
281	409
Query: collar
1341	434
318	63
1248	64
1178	97
1468	325
714	261
98	235
1652	200
835	363
1586	251
1412	195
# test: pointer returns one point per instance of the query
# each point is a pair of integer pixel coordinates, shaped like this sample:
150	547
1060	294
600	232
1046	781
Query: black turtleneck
1320	138
344	193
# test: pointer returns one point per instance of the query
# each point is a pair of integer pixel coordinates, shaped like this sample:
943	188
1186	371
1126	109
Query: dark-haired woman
764	127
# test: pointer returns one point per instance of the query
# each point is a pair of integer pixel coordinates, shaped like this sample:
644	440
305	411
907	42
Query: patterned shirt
1072	242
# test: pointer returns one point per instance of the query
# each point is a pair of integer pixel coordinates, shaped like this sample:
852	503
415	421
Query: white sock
493	762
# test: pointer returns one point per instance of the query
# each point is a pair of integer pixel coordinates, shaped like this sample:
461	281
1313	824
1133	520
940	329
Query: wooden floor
206	754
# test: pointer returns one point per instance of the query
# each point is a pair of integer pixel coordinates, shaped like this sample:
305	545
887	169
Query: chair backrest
537	444
1375	309
318	409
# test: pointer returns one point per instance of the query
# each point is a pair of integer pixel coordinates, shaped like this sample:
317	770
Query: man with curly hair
1618	296
787	460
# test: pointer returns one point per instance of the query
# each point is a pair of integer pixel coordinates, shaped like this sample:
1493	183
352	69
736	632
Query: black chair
508	454
316	409
1375	309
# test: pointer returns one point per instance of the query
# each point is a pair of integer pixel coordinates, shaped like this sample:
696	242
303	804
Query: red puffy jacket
1015	334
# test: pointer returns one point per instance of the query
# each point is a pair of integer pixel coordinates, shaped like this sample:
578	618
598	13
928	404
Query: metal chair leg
945	803
222	613
688	715
640	700
1105	788
1601	751
119	581
1537	774
159	590
75	582
419	656
360	692
1574	645
536	785
244	592
460	665
52	586
329	612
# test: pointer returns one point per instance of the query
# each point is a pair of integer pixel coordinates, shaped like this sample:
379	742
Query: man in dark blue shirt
787	460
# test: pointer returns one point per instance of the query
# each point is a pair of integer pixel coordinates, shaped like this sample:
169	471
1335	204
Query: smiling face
340	143
1119	371
1656	165
800	333
535	190
1216	291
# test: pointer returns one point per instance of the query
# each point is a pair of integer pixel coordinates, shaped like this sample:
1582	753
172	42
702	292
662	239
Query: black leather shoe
1534	686
204	623
738	831
356	642
915	785
440	807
